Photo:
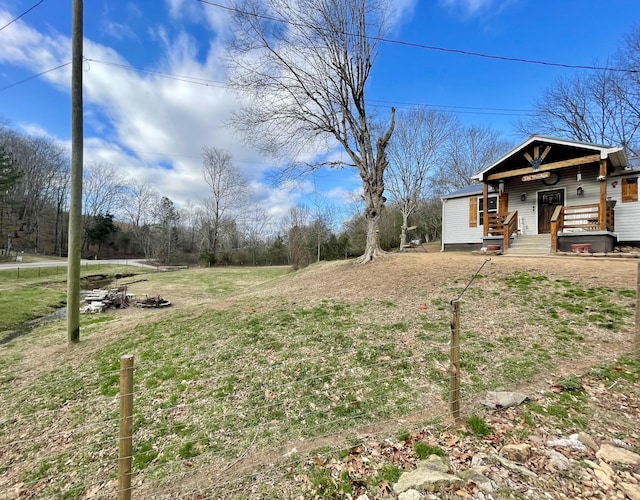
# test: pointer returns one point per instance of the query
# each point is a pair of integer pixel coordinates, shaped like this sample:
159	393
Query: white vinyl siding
455	222
627	214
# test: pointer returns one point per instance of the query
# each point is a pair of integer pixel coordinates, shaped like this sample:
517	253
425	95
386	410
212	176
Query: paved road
83	262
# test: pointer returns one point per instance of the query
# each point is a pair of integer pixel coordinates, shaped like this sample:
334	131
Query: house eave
616	155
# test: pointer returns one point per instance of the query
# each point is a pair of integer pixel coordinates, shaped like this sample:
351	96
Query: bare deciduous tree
469	151
165	233
601	107
40	160
254	223
102	189
591	108
138	202
227	189
415	153
303	66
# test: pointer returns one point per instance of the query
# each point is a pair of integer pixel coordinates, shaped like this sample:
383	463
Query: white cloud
152	128
470	8
467	6
402	11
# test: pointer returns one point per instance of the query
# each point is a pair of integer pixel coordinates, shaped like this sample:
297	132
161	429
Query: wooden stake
126	427
455	360
638	313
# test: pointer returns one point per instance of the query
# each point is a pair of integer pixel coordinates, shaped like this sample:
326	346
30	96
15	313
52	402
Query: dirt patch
412	274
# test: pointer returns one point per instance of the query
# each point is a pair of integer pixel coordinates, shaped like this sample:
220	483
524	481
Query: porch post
602	210
485	205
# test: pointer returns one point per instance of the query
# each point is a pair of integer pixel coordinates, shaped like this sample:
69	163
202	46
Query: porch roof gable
516	158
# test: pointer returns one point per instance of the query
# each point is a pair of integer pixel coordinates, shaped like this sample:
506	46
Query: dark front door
547	203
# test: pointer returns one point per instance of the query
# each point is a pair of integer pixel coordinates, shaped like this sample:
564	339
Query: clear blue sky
153	128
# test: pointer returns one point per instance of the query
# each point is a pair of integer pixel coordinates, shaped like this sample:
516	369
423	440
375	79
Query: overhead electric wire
445	108
188	79
455	109
21	15
15	84
433	47
400	103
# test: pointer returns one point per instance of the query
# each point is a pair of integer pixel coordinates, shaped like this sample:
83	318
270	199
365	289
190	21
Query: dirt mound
418	274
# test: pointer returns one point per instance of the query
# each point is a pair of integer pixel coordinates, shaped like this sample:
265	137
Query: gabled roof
616	155
466	191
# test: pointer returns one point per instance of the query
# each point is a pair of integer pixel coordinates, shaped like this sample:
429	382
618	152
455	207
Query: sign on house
535	177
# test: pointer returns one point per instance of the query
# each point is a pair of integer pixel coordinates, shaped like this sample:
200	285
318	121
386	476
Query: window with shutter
491	209
629	189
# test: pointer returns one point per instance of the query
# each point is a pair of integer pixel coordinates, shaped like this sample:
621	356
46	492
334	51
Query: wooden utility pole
75	209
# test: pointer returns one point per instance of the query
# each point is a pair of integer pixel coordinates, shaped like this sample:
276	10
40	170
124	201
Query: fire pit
154	302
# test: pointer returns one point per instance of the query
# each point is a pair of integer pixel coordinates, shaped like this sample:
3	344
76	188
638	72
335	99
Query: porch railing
505	224
557	226
580	218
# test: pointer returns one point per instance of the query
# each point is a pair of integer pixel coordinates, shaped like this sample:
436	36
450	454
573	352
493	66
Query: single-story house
549	195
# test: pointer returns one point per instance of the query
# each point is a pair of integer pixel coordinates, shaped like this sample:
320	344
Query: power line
215	83
21	15
479	110
443	108
34	76
188	79
433	47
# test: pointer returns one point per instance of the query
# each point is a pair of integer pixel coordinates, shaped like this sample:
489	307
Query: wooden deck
579	219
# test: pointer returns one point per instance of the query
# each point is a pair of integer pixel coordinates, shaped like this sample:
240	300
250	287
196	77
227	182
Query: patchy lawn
251	364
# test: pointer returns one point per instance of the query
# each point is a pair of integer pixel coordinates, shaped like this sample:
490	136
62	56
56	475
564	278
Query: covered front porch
551	187
576	228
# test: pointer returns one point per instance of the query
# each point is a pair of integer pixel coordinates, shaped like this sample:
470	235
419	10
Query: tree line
303	69
125	218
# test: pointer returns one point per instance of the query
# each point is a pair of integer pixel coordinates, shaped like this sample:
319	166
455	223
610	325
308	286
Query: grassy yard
28	293
252	364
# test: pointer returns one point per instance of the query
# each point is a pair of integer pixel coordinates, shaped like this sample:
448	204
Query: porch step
530	244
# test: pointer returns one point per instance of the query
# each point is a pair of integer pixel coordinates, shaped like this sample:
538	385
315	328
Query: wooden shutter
630	189
473	212
503	203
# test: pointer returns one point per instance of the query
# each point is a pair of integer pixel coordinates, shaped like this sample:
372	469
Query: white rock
631	490
558	460
411	495
425	479
567	443
610	453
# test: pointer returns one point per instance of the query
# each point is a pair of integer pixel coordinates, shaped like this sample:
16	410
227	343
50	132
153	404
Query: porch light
501	187
580	191
523	197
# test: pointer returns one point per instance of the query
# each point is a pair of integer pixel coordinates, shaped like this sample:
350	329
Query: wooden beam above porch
582	160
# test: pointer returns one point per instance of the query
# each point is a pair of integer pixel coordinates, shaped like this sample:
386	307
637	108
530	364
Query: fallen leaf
92	492
384	487
450	439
